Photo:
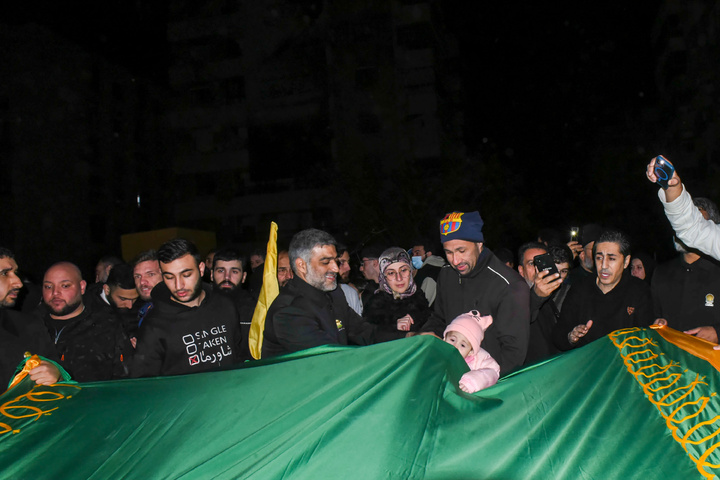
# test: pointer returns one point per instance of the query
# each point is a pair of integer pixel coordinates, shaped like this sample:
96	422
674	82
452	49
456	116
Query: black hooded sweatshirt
175	339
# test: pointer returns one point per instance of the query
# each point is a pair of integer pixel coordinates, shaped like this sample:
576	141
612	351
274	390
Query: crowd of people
172	311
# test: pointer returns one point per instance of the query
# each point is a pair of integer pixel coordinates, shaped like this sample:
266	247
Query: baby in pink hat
466	333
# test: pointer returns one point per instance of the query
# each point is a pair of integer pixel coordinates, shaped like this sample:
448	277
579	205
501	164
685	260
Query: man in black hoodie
190	328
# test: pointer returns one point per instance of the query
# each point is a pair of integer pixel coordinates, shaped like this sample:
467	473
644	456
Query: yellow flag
269	291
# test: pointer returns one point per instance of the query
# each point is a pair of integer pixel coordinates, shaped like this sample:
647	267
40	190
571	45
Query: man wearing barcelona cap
476	279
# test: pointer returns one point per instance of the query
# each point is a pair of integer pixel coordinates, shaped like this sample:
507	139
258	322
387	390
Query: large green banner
630	405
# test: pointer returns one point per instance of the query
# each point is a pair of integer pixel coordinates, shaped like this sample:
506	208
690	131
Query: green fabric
386	411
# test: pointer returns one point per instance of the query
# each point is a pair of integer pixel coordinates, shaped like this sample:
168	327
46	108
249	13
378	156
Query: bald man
91	345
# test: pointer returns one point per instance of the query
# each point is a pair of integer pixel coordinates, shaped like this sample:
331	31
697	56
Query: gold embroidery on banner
680	398
29	406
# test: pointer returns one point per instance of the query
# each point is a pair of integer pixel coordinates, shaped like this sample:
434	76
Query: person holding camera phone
542	282
544	270
691	226
686	219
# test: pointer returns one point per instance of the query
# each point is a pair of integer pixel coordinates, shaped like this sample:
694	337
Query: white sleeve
429	288
353	298
690	226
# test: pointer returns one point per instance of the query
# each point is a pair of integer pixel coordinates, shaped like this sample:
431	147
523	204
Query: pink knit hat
472	325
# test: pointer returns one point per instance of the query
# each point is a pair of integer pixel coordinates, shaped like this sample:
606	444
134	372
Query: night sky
554	93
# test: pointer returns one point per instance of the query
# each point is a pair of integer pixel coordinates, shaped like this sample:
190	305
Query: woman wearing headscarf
642	266
397	307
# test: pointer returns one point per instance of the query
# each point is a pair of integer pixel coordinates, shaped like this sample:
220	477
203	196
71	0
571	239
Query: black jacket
245	305
627	305
687	295
128	318
175	339
383	310
91	346
494	289
20	333
544	314
304	317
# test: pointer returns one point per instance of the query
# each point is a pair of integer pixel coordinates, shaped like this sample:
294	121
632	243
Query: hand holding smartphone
664	171
574	232
545	262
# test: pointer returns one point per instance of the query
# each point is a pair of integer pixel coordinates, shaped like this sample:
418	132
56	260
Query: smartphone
574	231
545	261
664	171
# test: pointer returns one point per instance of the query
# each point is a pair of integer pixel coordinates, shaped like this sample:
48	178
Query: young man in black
191	328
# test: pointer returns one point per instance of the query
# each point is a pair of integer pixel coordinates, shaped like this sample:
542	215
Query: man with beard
91	345
190	328
20	333
612	300
477	280
146	274
284	272
547	293
228	276
117	295
352	295
311	311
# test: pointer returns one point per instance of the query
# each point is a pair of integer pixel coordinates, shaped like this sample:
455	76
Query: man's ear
627	261
242	279
83	284
301	267
106	289
521	271
427	254
201	265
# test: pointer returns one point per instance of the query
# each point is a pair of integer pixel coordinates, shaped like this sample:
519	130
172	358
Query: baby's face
460	342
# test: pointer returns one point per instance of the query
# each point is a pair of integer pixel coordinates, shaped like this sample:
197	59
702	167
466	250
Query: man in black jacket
547	293
118	296
91	344
228	276
20	333
190	328
685	289
477	280
311	311
613	299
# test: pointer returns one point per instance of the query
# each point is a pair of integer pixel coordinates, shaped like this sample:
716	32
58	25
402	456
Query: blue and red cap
462	226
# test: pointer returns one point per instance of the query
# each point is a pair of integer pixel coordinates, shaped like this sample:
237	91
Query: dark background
562	113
